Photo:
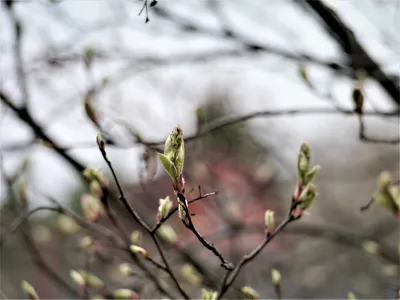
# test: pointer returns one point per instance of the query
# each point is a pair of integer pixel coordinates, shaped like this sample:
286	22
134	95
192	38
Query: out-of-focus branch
25	116
19	65
224	122
249	46
31	245
359	57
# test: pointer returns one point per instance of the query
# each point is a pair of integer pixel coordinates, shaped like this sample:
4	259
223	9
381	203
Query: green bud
77	278
208	295
169	167
307	196
249	293
270	220
139	250
67	224
91	280
181	212
370	247
29	290
126	269
303	161
167	233
174	155
310	175
388	194
95	174
125	294
385	180
191	274
136	237
95	189
91	207
86	242
164	208
351	296
276	277
89	109
390	270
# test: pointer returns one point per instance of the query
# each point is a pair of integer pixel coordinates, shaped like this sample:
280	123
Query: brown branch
189	224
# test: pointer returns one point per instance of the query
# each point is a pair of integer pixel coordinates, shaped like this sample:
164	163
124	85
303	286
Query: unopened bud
351	296
125	294
270	220
86	242
249	293
77	278
303	161
91	207
90	111
95	174
276	277
29	290
390	270
307	196
191	274
136	237
164	208
310	175
95	189
174	157
67	224
139	250
91	280
370	247
126	269
181	212
208	295
99	141
385	180
167	233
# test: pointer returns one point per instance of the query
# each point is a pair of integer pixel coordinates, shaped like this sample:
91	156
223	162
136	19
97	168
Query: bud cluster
173	158
306	191
388	194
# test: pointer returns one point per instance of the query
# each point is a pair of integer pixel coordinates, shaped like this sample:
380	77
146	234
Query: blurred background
200	64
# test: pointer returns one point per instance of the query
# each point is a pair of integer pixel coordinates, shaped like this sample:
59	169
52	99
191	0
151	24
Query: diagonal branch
359	57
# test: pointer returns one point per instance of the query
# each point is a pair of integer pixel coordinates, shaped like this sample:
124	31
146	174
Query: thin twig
224	263
175	209
224	122
137	218
247	258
